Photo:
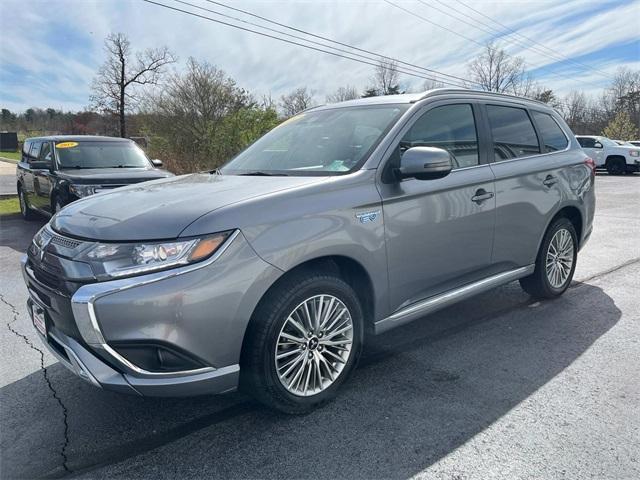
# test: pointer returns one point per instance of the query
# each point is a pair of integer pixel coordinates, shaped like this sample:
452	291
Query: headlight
80	190
634	153
124	259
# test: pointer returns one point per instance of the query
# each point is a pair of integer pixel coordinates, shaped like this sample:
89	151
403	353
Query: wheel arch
347	268
571	213
614	157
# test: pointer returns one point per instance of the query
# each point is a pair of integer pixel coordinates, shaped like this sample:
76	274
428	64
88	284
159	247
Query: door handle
481	195
549	181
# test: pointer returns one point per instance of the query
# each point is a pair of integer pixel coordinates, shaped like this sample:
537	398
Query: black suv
55	171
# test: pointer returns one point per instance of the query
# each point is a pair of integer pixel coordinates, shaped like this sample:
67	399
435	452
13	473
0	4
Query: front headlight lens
80	190
634	153
125	259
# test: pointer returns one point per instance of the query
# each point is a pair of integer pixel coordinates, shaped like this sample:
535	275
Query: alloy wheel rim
559	259
314	345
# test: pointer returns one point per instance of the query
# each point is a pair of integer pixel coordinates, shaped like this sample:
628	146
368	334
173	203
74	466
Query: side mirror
597	145
424	163
40	165
156	163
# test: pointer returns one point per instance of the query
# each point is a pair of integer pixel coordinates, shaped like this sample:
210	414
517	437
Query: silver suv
344	220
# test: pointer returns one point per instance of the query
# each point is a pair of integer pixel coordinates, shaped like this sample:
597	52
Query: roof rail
443	91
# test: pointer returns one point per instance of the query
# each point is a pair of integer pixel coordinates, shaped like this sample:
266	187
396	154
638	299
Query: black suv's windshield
323	142
100	155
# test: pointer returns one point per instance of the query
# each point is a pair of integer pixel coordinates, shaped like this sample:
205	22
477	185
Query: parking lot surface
499	386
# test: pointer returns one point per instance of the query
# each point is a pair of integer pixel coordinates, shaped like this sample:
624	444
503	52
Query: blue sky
49	55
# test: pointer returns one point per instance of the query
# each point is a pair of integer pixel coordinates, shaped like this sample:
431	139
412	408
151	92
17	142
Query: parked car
55	171
635	143
623	143
616	159
345	219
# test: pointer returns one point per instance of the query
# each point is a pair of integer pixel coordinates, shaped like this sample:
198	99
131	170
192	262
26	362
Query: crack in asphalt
45	374
595	276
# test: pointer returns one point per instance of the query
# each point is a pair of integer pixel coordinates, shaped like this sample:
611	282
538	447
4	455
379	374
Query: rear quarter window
553	138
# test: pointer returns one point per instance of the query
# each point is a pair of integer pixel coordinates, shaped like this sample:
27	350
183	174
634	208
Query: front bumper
199	310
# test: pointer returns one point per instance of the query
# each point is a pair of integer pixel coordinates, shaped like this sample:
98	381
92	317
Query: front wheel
303	342
555	263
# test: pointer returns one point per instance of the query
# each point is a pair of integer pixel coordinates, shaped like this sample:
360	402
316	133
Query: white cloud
58	78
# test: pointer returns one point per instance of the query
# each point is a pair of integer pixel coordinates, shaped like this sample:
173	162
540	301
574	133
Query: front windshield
100	155
324	142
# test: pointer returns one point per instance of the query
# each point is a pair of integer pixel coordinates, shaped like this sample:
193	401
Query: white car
616	159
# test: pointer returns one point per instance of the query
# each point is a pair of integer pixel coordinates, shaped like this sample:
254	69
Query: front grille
64	241
48	279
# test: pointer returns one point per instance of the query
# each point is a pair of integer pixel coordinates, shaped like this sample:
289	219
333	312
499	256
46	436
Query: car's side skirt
429	305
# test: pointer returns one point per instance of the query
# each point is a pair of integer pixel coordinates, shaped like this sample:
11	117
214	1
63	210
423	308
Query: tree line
197	118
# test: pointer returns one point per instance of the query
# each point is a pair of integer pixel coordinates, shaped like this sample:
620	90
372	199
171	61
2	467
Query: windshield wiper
260	173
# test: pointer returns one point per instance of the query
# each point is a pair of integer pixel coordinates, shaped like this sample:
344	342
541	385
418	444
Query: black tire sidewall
326	285
561	223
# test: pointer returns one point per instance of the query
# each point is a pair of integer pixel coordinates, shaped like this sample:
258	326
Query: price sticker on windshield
66	145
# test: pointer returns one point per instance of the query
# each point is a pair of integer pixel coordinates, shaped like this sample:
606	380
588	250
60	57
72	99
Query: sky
50	50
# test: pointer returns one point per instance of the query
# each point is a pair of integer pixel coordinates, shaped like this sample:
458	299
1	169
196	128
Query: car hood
106	176
162	209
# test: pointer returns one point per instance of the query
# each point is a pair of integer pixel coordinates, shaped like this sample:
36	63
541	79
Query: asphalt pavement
499	386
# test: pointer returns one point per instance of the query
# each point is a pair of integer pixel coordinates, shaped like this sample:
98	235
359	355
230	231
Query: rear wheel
304	341
616	166
26	212
555	263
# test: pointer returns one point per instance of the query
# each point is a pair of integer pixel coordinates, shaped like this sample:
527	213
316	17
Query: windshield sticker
337	166
66	145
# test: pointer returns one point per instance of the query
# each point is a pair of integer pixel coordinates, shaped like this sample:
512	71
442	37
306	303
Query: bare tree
624	95
297	101
343	94
114	87
494	70
431	84
386	77
201	118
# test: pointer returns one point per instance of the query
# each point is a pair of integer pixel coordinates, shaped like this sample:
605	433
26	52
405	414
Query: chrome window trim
82	303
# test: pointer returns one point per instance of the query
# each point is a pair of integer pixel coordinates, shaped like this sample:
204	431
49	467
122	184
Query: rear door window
513	133
553	138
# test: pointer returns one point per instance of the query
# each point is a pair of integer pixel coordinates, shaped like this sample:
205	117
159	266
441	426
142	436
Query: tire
616	166
26	212
553	282
265	377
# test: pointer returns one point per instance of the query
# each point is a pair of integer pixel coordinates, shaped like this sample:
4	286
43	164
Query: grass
9	206
13	156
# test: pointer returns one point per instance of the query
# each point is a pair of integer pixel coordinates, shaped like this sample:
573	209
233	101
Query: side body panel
289	228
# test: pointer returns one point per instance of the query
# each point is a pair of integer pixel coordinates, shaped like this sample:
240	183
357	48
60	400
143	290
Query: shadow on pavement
420	392
16	233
